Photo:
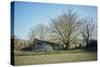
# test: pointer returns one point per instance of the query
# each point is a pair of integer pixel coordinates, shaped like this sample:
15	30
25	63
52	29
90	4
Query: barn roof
47	42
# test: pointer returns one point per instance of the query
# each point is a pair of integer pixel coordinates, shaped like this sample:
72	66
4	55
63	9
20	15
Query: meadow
31	58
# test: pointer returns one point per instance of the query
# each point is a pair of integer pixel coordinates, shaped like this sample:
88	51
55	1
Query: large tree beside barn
66	27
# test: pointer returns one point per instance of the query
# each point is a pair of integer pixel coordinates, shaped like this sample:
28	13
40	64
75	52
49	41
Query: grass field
75	56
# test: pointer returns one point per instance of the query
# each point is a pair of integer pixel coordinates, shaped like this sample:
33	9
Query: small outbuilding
40	45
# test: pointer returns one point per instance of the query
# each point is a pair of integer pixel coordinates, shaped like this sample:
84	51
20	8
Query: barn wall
46	46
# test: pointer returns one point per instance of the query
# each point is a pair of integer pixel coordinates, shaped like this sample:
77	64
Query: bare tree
65	27
88	29
41	32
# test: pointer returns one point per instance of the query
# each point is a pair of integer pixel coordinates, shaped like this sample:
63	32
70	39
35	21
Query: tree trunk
67	46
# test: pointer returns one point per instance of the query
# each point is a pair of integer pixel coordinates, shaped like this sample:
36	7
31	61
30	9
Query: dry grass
55	58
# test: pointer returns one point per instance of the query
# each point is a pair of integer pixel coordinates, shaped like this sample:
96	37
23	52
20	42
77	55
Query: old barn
40	45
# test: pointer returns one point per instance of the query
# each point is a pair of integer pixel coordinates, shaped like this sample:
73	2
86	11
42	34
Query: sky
30	14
